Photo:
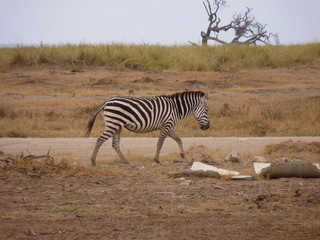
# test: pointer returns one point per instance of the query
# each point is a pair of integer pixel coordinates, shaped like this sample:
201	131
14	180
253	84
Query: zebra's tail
92	120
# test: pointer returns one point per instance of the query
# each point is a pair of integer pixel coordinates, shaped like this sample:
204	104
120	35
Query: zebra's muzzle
205	127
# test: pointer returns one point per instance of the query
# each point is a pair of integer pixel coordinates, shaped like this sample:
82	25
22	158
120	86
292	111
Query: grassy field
254	91
69	119
153	57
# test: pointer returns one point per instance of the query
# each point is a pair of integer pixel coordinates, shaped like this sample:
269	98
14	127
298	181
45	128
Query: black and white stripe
148	114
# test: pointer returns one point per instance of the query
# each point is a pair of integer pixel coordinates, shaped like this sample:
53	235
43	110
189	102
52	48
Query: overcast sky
167	22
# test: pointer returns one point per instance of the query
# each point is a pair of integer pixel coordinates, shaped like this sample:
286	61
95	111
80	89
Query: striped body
149	114
139	114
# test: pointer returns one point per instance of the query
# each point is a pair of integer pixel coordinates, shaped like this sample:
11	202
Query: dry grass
53	108
68	118
156	57
39	98
268	118
34	167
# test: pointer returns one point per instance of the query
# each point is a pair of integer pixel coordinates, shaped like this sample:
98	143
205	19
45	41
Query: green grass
157	57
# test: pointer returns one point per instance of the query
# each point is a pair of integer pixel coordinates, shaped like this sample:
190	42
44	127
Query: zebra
141	115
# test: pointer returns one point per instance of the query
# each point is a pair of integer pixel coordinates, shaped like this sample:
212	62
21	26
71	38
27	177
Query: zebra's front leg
178	140
116	147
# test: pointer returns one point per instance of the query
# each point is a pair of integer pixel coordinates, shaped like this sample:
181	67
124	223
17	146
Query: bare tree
246	29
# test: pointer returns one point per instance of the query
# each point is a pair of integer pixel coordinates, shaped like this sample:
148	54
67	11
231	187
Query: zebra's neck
185	106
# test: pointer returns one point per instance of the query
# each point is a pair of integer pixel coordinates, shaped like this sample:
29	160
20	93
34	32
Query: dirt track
82	147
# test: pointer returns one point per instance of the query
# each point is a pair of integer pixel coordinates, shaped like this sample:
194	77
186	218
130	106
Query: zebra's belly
139	129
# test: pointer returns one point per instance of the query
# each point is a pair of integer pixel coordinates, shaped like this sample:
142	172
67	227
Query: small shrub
2	112
87	110
272	114
260	129
16	133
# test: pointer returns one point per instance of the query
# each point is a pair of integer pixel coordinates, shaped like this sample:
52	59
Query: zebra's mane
171	96
178	94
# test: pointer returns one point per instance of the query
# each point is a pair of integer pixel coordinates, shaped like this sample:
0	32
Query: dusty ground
141	201
158	207
115	201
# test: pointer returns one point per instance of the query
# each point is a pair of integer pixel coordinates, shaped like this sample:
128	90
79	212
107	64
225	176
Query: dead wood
246	29
31	165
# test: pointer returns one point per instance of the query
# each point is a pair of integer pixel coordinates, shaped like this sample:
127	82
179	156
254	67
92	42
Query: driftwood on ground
30	164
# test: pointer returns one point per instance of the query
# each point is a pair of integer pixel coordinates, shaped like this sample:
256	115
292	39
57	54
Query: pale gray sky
145	21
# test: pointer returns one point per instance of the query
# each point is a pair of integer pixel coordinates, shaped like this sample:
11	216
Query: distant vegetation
157	57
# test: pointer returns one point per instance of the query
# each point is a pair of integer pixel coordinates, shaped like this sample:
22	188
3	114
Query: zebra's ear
206	96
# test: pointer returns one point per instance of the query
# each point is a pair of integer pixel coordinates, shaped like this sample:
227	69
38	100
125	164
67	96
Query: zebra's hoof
180	160
156	161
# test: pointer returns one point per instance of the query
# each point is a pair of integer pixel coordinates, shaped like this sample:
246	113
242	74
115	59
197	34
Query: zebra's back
138	114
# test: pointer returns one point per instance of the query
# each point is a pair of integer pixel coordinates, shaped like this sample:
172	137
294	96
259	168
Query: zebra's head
201	113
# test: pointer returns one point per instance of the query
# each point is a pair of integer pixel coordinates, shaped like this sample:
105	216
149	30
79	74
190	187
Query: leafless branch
246	29
192	43
13	162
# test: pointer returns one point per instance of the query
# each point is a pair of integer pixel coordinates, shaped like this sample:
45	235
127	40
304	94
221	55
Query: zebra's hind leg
163	134
99	142
178	140
116	147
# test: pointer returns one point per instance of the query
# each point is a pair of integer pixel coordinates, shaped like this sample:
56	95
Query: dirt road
82	147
